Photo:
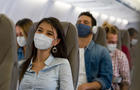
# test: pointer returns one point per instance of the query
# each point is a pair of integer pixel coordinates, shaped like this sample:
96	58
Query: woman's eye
50	34
39	30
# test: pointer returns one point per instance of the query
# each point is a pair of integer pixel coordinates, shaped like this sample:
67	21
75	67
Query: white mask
112	47
134	41
21	41
42	42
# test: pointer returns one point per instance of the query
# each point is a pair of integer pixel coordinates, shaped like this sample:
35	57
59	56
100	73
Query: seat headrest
71	34
100	36
7	34
119	44
8	57
125	38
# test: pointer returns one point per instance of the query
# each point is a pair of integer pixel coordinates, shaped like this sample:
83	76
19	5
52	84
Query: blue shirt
20	53
98	65
56	75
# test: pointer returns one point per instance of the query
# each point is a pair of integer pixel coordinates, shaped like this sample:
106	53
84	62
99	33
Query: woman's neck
24	48
42	55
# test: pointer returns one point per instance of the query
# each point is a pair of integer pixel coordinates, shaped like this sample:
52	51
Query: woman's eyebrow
40	27
50	31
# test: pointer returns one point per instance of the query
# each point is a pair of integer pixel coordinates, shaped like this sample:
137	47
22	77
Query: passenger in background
121	72
22	29
47	68
133	33
120	44
133	37
95	61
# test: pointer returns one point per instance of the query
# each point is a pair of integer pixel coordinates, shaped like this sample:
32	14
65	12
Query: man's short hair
132	31
93	20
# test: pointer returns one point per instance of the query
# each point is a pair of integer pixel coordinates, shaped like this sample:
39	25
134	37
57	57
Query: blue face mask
83	30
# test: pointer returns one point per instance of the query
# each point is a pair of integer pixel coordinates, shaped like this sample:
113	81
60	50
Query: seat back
71	45
8	55
136	73
125	38
100	37
119	44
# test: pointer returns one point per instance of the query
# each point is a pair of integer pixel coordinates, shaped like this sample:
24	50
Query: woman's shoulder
61	61
20	63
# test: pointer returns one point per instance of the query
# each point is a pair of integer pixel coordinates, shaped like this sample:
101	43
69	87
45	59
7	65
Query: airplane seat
72	49
71	44
125	38
125	47
119	43
8	57
100	37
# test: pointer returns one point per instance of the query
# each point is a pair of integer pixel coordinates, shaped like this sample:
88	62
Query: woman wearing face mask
47	69
22	28
121	72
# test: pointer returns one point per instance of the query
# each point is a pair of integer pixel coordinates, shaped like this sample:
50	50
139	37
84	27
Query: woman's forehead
47	27
19	30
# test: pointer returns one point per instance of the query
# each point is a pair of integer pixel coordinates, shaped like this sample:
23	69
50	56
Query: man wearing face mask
133	33
121	72
95	63
133	37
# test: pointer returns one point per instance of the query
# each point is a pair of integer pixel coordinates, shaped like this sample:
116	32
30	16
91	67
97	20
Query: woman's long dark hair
61	47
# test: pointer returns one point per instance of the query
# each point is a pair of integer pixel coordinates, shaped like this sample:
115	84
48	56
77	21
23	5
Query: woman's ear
56	42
